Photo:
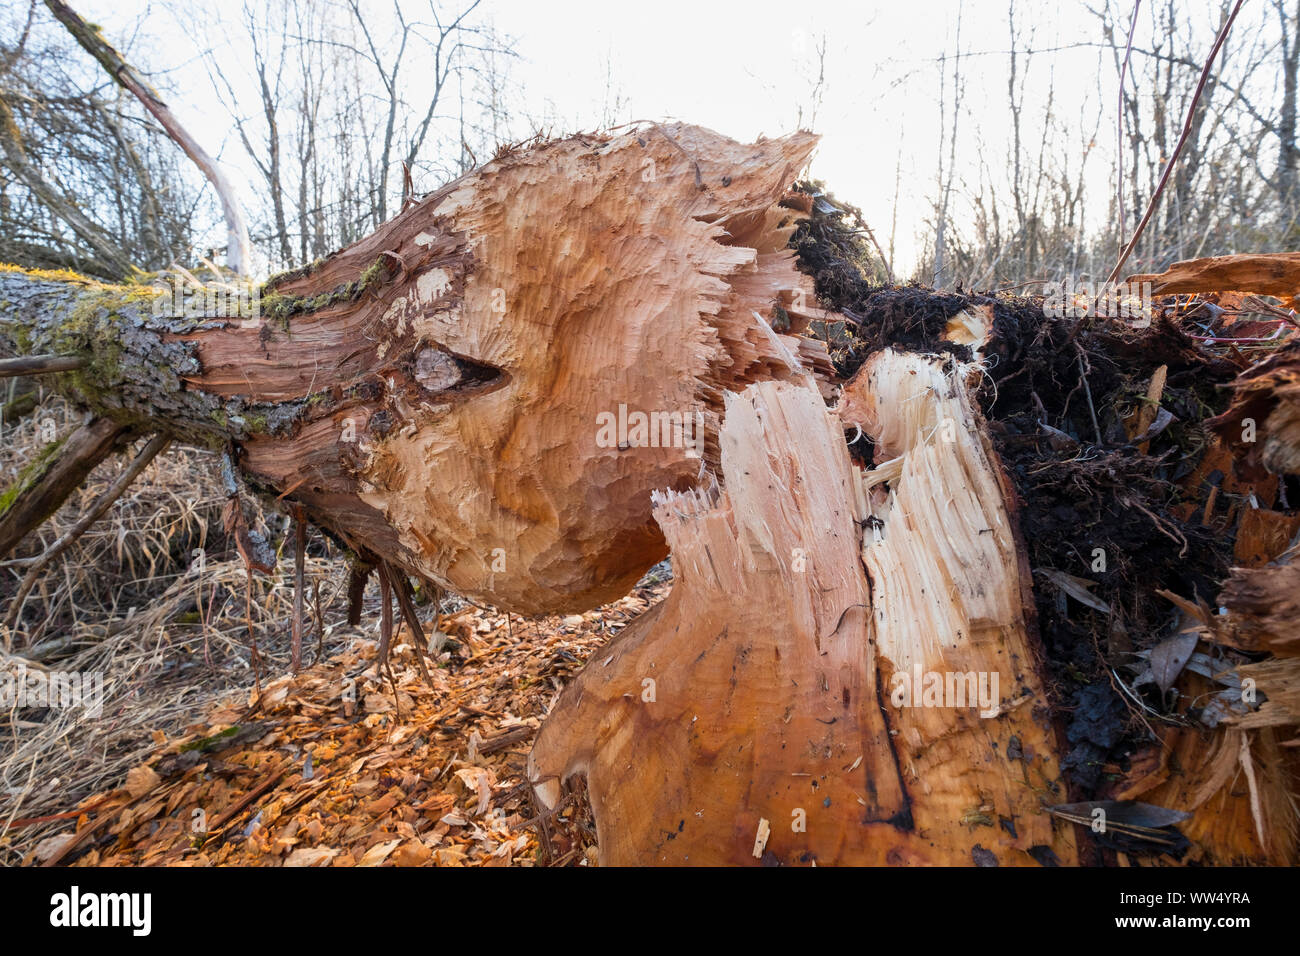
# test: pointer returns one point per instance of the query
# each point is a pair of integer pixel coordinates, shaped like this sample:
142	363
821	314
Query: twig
1173	159
889	272
403	588
104	502
52	817
300	545
408	186
320	621
40	365
254	658
385	615
502	741
386	636
1087	391
241	805
1119	118
542	820
80	838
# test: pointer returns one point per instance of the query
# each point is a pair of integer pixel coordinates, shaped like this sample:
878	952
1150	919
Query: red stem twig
1182	140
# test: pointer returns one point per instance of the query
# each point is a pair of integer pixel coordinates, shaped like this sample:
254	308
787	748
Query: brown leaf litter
340	767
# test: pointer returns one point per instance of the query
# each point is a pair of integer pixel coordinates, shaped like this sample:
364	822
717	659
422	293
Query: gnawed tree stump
832	651
701	740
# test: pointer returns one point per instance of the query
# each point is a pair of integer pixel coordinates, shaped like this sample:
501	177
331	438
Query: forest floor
338	766
204	753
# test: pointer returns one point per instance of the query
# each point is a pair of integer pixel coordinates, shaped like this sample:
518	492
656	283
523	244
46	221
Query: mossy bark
56	472
146	372
138	356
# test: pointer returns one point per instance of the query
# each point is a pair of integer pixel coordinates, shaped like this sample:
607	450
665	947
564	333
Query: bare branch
97	511
122	72
40	365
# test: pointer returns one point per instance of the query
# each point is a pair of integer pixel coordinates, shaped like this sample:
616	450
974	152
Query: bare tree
945	182
88	180
302	85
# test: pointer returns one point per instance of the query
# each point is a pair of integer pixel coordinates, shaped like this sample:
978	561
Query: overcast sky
745	69
748	68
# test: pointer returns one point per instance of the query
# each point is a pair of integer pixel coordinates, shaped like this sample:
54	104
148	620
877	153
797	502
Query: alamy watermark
234	299
76	908
62	690
1073	298
949	689
654	429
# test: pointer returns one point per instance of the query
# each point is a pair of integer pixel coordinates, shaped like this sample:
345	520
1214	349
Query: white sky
745	68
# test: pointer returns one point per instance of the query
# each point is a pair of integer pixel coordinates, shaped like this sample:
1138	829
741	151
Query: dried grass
152	598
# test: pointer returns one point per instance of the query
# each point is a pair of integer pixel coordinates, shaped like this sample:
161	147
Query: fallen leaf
1170	656
412	853
140	780
1076	587
378	853
310	856
53	846
449	856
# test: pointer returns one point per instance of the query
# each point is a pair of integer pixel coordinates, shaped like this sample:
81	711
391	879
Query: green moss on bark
280	307
30	474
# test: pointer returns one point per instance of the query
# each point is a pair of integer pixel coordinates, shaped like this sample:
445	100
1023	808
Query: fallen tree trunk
853	665
436	394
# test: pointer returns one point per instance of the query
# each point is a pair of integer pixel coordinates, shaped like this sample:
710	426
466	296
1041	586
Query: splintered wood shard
1276	273
952	604
1262	425
761	689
